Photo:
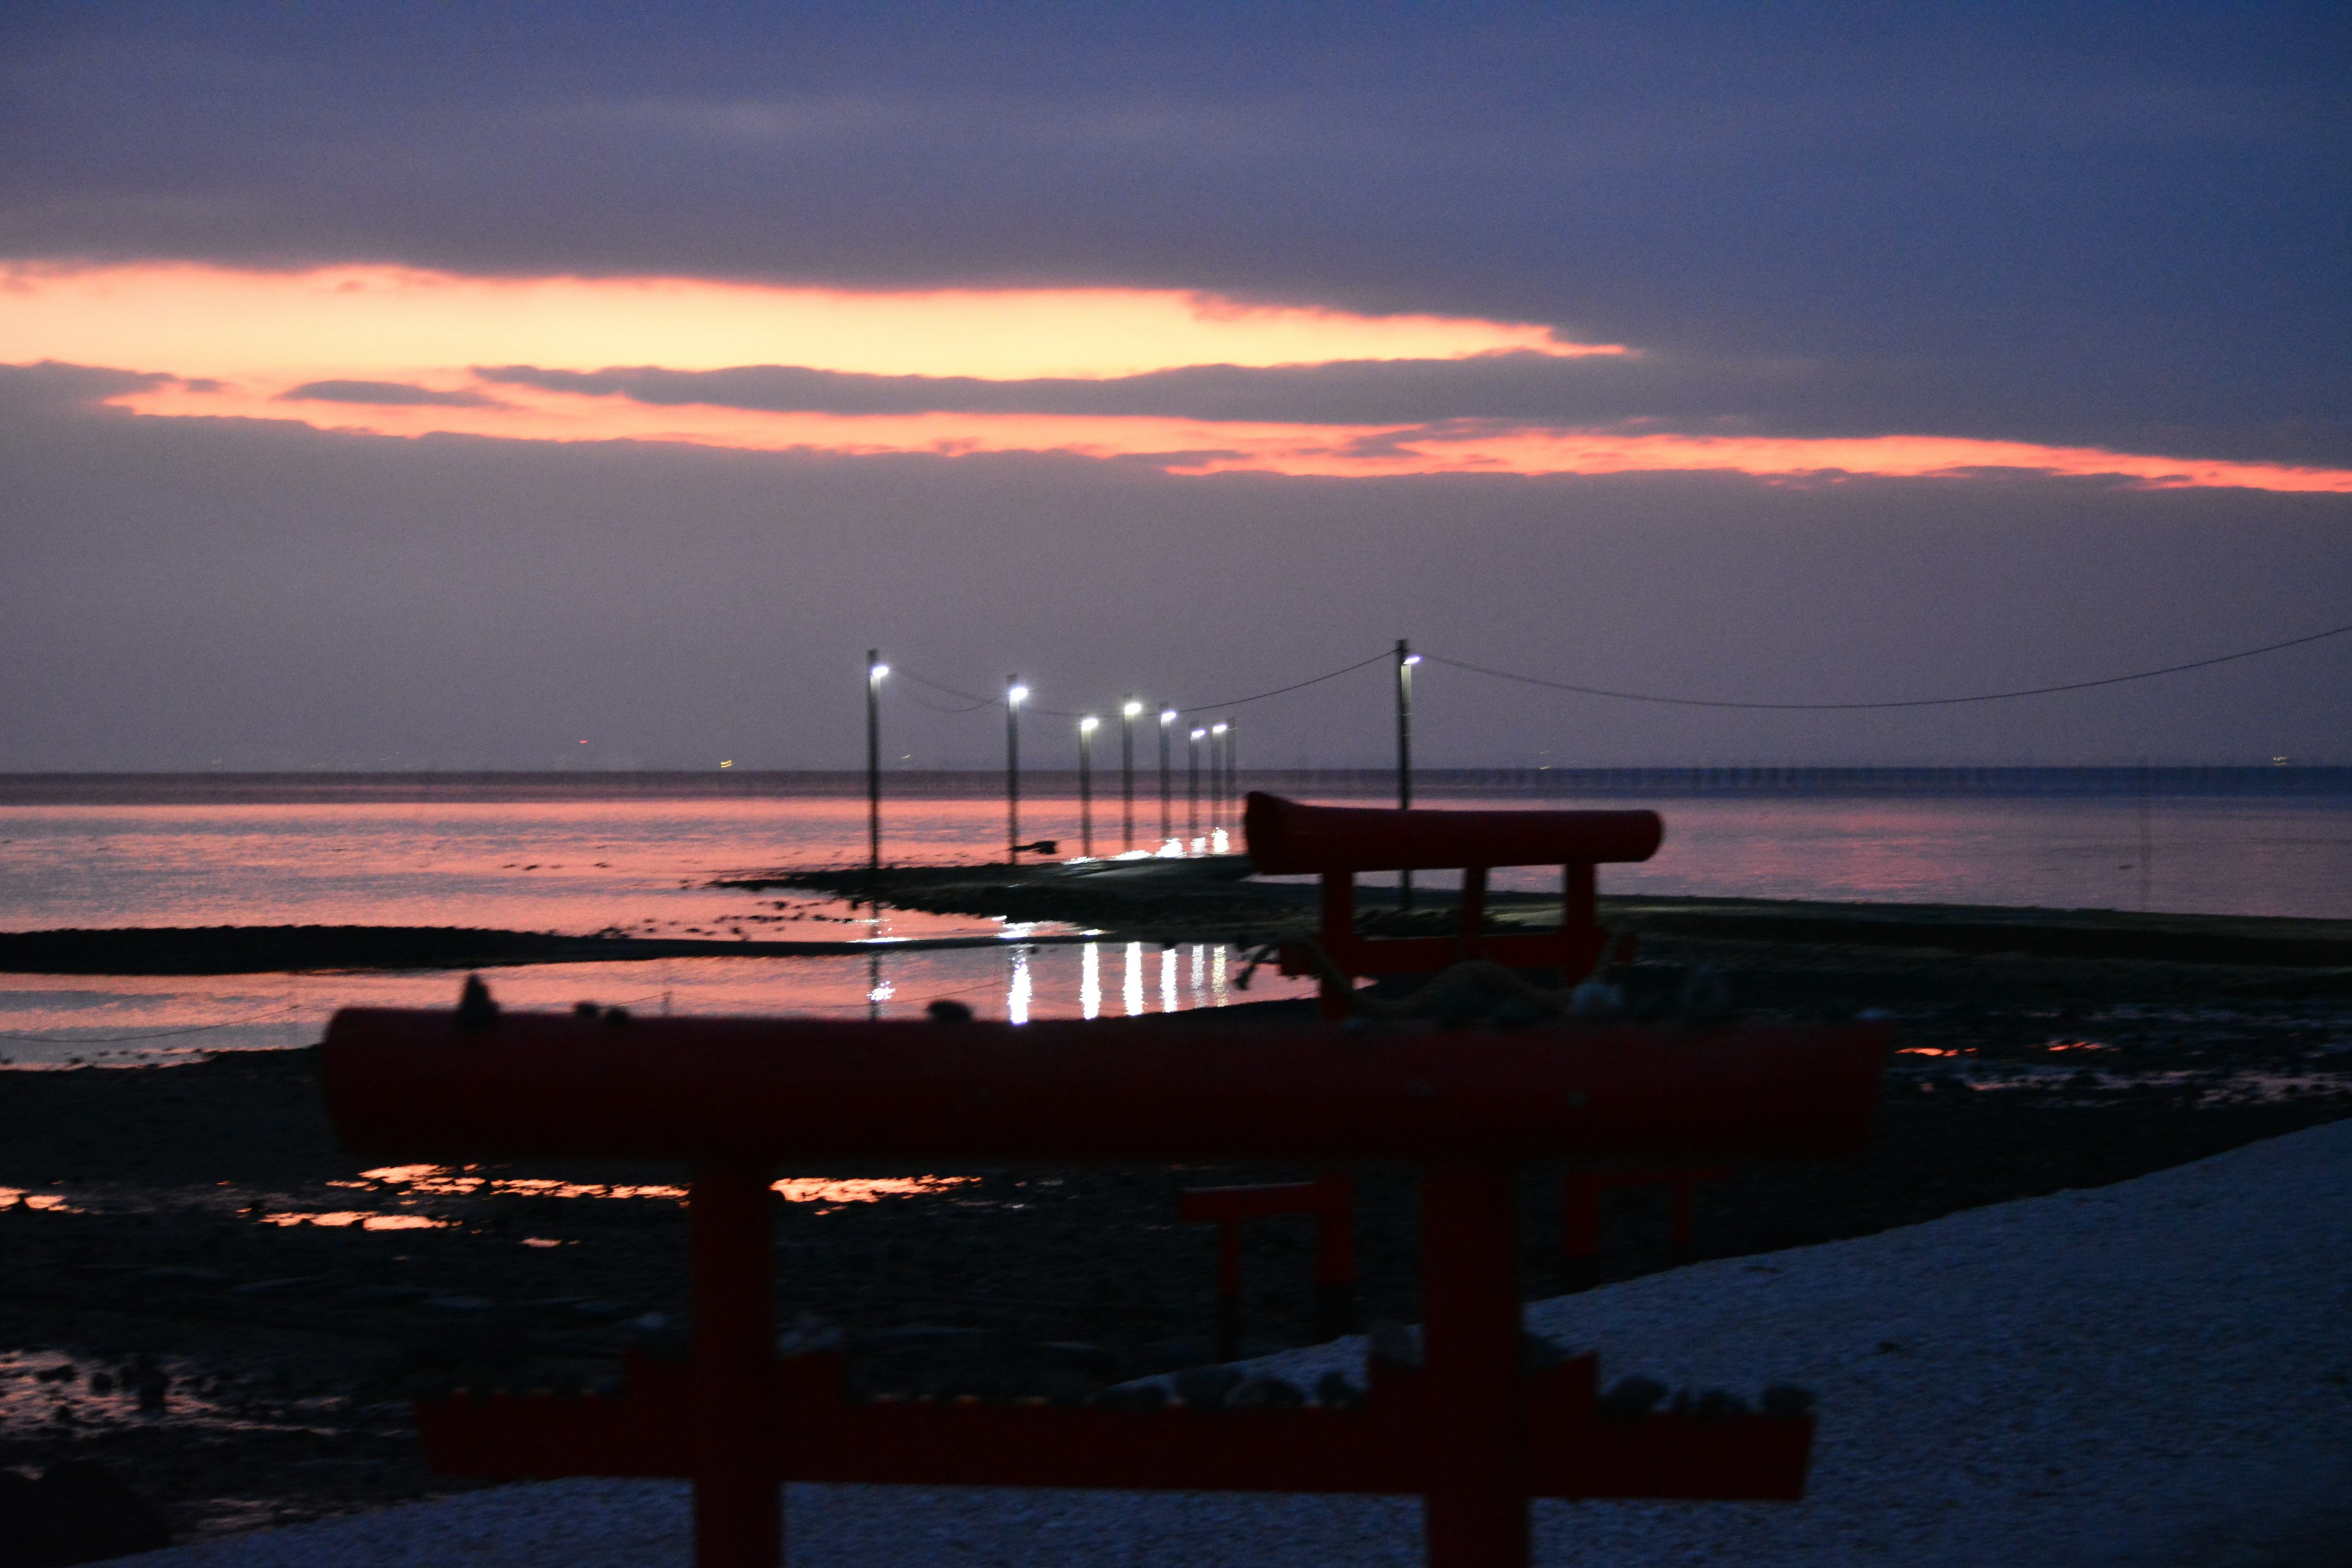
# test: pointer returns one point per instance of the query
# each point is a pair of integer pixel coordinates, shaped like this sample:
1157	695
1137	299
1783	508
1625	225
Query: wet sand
197	1225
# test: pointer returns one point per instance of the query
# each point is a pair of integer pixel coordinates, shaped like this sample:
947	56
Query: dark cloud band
1651	393
383	394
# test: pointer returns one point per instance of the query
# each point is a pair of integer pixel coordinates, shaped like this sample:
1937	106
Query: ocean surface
585	853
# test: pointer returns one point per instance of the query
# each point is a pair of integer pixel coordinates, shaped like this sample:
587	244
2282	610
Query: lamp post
875	671
1192	785
1014	695
1127	715
1167	793
1086	727
1405	660
1233	773
1217	801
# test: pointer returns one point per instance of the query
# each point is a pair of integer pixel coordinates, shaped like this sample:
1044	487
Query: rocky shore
200	1292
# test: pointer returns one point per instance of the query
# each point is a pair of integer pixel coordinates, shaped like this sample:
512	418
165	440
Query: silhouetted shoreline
1204	907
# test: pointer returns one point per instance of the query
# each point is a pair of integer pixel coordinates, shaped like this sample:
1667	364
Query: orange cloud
385	351
384	323
1203	447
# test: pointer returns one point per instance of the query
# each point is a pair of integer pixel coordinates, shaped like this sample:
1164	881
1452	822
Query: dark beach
155	1245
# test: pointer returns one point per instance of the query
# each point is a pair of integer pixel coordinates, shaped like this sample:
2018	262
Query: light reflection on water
419	1197
127	1020
366	1220
639	863
404	1186
643	864
451	1181
54	1201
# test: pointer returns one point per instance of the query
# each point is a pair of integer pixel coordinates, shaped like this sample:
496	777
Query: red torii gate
1329	1197
1338	842
1470	1430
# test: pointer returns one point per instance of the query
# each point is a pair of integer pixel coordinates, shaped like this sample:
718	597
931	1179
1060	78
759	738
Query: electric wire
1905	702
973	703
1278	691
965	697
920	700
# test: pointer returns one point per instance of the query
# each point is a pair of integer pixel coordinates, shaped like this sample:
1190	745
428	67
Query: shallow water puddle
49	1396
445	1181
826	1192
55	1203
830	1193
337	1218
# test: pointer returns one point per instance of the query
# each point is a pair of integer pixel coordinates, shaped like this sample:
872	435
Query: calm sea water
587	856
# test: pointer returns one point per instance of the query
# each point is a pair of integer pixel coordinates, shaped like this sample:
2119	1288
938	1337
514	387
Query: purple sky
2113	229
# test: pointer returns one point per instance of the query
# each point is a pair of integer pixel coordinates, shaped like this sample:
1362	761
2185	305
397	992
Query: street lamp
875	671
1086	727
1127	716
1405	660
1192	785
1015	694
1233	771
1167	797
1217	802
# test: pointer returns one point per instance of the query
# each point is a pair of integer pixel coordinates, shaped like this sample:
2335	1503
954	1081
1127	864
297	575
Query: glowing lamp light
1200	734
1132	709
1087	725
1016	695
1216	728
877	672
1168	715
1413	659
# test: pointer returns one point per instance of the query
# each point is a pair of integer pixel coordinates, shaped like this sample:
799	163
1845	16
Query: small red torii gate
1470	1430
1329	1197
1339	842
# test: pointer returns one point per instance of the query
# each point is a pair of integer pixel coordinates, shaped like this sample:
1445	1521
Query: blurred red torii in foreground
1470	1428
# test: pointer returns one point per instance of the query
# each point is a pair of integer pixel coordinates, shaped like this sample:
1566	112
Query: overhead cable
973	703
970	701
1905	702
1294	685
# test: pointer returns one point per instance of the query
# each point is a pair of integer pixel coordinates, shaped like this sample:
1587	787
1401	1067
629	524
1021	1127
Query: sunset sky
446	387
